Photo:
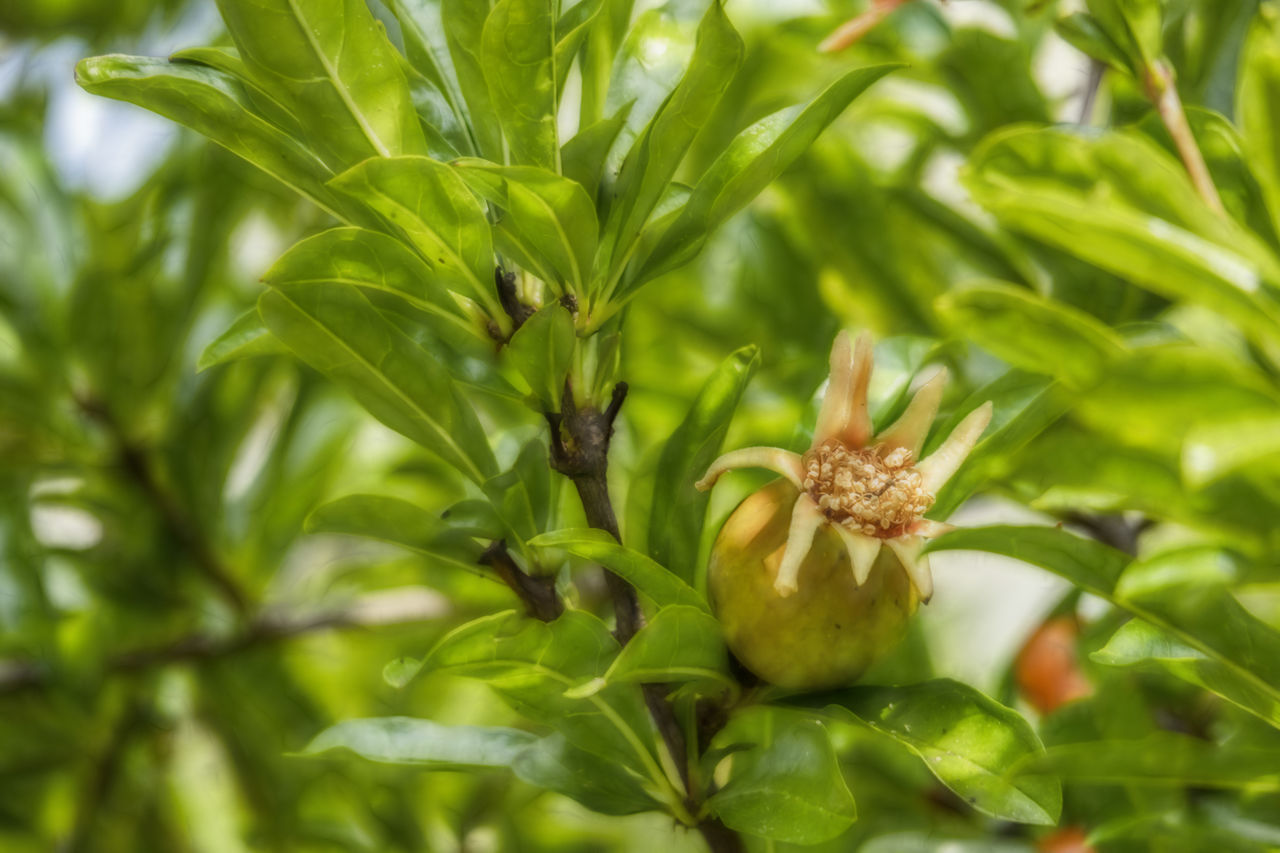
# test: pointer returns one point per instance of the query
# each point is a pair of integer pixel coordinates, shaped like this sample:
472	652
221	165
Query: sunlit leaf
970	742
408	740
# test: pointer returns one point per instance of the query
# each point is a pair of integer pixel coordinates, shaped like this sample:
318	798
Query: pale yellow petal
928	528
916	565
943	462
862	552
857	428
835	402
805	520
774	459
910	430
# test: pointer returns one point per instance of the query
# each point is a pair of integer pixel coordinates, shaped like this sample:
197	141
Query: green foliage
314	563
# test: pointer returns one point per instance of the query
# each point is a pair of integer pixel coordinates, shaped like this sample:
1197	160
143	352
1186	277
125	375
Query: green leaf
582	158
335	330
1156	395
408	740
542	350
571	31
970	742
438	215
679	644
550	220
678	509
373	261
1163	759
649	577
245	338
1135	25
1197	609
1258	103
1083	32
1032	332
399	522
756	157
531	664
463	22
214	104
1119	202
427	48
1024	406
557	765
228	61
1220	447
518	56
661	147
1139	643
330	61
788	787
932	842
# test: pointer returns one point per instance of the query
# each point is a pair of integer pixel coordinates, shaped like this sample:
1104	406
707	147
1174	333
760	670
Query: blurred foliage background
171	637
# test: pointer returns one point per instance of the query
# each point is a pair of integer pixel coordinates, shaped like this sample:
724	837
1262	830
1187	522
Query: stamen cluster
874	491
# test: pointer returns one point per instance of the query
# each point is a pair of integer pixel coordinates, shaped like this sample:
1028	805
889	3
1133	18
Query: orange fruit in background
1048	668
1071	839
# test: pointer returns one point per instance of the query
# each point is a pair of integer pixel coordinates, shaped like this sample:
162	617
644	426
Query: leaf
1024	406
679	644
678	509
408	740
245	338
1221	447
1258	103
1135	25
649	577
542	350
557	765
332	64
427	48
970	742
549	218
373	261
582	158
1156	395
399	522
656	155
931	842
571	31
1197	610
531	664
463	22
1121	203
1163	759
335	330
1083	32
215	105
518	56
756	157
438	215
1138	643
1032	332
788	787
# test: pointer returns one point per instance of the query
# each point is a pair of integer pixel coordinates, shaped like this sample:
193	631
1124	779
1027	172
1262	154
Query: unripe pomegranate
805	593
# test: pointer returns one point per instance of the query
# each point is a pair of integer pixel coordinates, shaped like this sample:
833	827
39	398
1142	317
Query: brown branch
16	676
852	30
1158	81
537	593
136	463
580	451
505	282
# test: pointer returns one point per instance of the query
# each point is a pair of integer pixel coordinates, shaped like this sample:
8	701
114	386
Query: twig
1163	93
537	593
137	465
852	30
580	451
16	676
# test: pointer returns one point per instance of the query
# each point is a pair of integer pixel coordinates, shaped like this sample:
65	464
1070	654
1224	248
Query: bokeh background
171	637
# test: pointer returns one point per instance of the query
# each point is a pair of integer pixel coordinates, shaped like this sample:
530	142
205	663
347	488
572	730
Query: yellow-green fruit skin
826	633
